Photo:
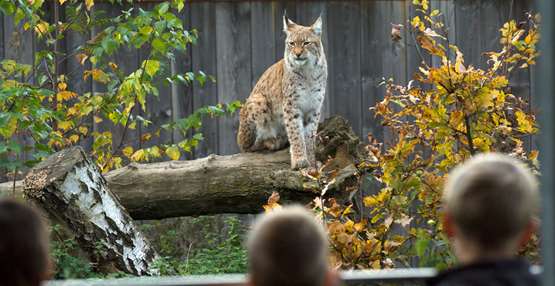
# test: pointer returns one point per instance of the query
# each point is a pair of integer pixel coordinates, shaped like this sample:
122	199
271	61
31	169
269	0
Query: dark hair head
288	247
24	257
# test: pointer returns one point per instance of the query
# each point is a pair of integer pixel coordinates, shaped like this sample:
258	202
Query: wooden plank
522	83
233	25
344	62
127	60
203	18
281	7
381	57
263	33
307	13
447	17
468	39
19	45
415	55
74	72
158	108
181	103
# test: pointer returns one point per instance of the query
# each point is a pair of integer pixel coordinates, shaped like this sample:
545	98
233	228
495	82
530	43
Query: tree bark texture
69	186
239	183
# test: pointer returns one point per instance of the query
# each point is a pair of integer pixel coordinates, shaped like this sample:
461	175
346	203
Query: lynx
284	105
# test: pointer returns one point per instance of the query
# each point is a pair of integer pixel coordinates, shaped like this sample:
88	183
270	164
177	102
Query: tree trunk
239	183
70	188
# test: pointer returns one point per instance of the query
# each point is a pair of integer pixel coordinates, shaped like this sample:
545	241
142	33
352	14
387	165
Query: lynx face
303	45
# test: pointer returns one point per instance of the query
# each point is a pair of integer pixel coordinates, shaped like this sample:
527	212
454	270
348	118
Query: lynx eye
291	43
306	43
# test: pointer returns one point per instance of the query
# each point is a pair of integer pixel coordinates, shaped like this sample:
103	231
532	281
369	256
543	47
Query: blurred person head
491	205
24	259
289	247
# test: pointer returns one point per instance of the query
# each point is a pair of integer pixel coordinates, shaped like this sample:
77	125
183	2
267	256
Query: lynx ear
317	26
287	23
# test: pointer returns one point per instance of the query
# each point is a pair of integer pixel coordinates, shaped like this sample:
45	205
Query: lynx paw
299	164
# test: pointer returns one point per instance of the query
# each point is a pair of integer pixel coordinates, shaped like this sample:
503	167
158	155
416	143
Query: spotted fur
284	105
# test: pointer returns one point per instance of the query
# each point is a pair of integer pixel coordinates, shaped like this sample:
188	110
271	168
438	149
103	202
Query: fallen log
239	183
70	188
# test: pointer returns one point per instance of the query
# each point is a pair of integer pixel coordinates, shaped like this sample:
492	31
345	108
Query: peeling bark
70	188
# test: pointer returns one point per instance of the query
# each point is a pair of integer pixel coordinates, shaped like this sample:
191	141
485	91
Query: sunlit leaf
173	153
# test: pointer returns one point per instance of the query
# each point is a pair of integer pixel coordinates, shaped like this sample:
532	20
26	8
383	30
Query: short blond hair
287	247
491	198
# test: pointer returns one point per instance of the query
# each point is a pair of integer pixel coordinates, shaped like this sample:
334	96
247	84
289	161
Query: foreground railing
415	276
409	276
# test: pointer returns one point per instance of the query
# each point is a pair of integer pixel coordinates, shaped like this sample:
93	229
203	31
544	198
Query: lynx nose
298	52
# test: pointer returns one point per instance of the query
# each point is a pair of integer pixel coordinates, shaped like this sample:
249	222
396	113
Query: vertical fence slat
263	45
381	57
280	8
233	51
204	57
182	101
158	108
467	15
344	62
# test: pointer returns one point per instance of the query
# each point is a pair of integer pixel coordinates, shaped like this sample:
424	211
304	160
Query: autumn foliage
41	103
446	113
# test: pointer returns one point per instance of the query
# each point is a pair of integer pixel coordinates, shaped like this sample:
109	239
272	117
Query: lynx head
303	45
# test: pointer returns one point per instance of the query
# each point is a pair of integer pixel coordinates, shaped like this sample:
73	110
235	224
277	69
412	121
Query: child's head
289	247
24	259
491	203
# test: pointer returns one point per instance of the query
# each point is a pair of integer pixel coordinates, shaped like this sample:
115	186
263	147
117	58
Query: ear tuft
317	26
287	23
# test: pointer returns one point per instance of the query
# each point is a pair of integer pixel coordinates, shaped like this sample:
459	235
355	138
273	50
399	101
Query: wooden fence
240	39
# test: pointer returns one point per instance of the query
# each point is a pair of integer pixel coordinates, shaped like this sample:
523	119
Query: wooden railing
415	276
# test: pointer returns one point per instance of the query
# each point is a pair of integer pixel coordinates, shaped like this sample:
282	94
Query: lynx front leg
294	128
310	129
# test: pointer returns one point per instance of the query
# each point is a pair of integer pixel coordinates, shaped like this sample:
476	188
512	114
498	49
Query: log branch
239	183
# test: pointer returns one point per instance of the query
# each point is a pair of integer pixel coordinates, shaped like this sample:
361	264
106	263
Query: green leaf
162	8
159	45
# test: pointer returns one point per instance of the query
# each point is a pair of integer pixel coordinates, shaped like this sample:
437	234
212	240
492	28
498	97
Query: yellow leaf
138	155
65	95
370	201
113	66
273	203
97	119
65	125
533	155
72	111
82	58
97	75
151	67
154	151
62	86
350	225
525	124
89	4
127	151
173	153
74	138
62	2
146	137
84	130
41	28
